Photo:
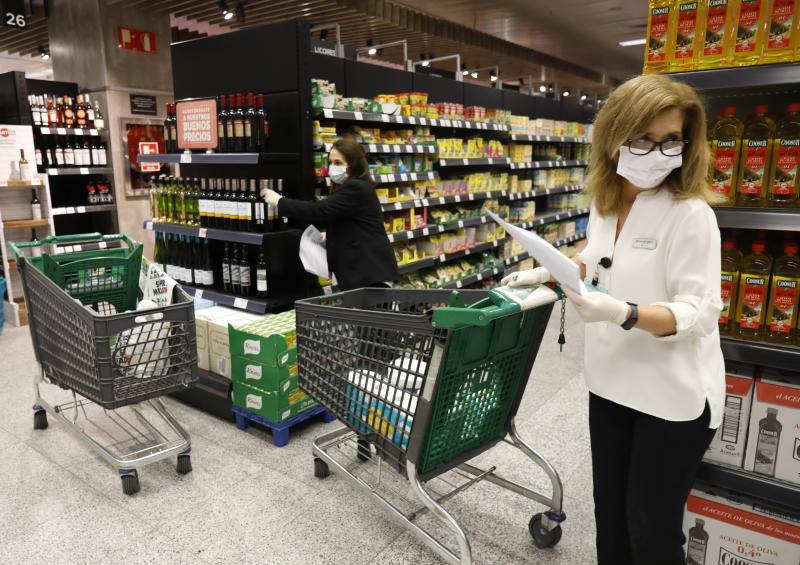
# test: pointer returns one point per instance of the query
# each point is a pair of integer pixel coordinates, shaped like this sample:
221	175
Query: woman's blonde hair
627	114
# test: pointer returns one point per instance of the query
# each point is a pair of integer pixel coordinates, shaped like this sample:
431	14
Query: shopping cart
103	364
425	381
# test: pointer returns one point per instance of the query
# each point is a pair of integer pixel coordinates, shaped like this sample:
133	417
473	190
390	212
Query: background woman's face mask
646	171
337	173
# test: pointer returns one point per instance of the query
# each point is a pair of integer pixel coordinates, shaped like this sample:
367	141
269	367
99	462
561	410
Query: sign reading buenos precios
197	124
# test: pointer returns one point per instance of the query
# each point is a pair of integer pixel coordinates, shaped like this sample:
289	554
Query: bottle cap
762	109
758	247
790	248
728	244
729	111
772	411
699	521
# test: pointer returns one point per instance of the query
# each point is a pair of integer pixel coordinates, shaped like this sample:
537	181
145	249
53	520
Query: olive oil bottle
784	295
781	33
731	263
754	166
753	292
751	31
685	35
718	33
783	187
659	47
726	145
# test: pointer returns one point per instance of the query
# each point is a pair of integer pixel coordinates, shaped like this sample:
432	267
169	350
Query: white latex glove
323	238
599	307
270	196
530	277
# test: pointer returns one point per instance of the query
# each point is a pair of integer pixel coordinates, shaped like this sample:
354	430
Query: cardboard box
729	441
220	364
274	406
259	375
723	532
270	341
212	336
773	444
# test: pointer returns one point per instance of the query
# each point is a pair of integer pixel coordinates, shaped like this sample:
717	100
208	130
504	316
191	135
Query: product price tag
84	170
398	119
412	120
78	131
202	232
448	123
459	284
425	202
69	210
391	237
457	198
479	276
442	258
484	219
58	211
386	178
491	161
426	231
186	157
409	235
81	209
398	205
442	162
358	116
45	131
488	195
198	293
460	223
558	217
102	245
403	177
384	119
148	225
61	131
328	113
93	132
465	161
53	172
467	251
372	148
472	197
240	303
423	121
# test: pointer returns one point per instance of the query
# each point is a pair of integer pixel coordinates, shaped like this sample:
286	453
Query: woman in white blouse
653	361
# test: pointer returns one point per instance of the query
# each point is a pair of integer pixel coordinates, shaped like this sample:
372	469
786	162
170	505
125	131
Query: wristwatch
630	322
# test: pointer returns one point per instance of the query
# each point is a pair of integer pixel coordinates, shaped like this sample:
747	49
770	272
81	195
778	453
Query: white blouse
667	254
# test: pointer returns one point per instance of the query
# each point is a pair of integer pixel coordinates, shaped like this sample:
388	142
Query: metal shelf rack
759	218
248	238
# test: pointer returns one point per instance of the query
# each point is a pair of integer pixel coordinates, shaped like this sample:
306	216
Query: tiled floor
249	502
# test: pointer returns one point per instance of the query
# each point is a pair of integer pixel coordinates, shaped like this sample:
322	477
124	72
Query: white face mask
337	173
646	171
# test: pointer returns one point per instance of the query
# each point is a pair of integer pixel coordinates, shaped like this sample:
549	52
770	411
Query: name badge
644	243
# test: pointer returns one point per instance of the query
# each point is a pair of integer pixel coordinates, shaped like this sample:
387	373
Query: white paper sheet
563	269
313	254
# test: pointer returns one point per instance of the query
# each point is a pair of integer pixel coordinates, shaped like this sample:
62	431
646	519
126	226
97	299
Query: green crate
273	406
262	376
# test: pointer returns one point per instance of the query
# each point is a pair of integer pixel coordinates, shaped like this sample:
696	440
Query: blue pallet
280	430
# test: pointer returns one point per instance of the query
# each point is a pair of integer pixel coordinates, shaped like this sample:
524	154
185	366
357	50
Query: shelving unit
406	120
775	493
548	164
247	238
88	209
761	353
392	148
553	217
249	304
547	138
474	162
62	171
544	192
442	200
759	218
219	158
70	131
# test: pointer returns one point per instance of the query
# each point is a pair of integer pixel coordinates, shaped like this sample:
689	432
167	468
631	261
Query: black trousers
643	469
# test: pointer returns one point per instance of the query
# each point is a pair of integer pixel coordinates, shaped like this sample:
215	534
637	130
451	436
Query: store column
85	48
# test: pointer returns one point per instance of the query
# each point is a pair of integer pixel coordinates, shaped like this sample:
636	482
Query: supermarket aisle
249	502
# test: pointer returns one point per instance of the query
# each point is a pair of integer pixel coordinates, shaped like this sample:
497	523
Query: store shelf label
78	131
57	211
460	223
94	132
384	118
426	231
472	196
358	116
409	235
425	202
148	225
240	303
81	209
45	131
442	258
102	245
327	290
385	178
84	170
398	119
327	113
479	276
202	232
398	205
52	172
403	177
372	148
465	161
491	161
459	284
61	131
69	210
186	157
423	121
412	120
457	198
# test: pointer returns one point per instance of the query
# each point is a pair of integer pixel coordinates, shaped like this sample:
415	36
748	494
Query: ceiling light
493	77
464	71
632	42
565	93
227	15
371	50
425	62
583	97
550	87
223	7
474	74
542	88
43	53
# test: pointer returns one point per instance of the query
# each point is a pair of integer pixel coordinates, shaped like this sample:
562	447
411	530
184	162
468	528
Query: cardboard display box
262	376
729	441
211	325
773	443
274	406
270	341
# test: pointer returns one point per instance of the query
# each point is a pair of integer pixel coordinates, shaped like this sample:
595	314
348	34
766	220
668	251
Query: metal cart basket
112	360
428	379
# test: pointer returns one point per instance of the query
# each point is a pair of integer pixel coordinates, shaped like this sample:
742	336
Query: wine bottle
245	208
231	208
36	206
230	137
245	272
89	111
238	125
252	125
252	202
222	118
25	169
208	269
236	277
264	123
202	203
87	153
59	154
261	274
226	269
78	152
38	156
80	113
69	113
99	122
276	215
69	154
168	130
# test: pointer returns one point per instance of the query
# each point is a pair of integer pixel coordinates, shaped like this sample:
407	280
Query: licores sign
197	124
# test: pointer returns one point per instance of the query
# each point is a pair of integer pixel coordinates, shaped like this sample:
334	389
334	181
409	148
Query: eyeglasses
668	147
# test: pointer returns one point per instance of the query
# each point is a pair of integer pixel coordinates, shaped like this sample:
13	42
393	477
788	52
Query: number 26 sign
14	13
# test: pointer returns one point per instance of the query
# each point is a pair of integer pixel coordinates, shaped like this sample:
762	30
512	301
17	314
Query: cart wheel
364	450
321	469
40	420
130	484
184	466
541	537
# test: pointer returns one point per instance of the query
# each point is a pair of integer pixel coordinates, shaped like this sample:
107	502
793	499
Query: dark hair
356	158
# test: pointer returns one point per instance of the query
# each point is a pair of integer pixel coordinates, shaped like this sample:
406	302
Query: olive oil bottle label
747	30
784	303
785	170
780	24
657	41
715	27
728	285
725	154
755	163
687	29
754	290
766	451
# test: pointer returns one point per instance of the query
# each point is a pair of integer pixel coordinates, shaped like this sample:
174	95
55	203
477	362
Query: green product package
270	341
259	375
275	407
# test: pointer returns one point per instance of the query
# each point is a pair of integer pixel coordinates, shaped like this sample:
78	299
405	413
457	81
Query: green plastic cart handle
481	313
15	247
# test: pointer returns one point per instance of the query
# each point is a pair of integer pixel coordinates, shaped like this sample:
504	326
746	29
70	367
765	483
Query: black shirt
359	253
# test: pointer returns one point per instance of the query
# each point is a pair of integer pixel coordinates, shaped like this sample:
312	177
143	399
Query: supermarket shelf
393	148
545	192
249	238
751	485
436	228
446	257
17	185
84	209
548	164
18	224
440	200
548	138
408	120
474	162
472	279
759	76
553	217
58	171
761	353
405	177
219	158
259	306
758	218
513	260
45	130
